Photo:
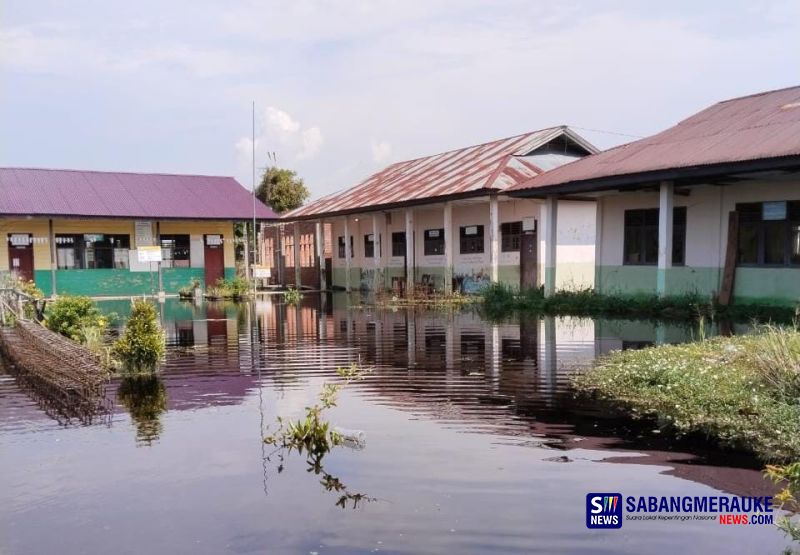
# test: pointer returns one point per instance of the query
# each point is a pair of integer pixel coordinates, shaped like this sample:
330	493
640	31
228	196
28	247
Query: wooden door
20	255
214	258
528	260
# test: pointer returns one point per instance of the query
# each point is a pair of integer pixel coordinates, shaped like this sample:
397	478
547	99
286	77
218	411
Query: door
20	255
214	258
528	260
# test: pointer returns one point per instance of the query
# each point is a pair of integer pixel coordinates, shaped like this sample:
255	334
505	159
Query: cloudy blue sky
343	88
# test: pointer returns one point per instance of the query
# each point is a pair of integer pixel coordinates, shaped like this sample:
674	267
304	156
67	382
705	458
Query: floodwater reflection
474	442
145	399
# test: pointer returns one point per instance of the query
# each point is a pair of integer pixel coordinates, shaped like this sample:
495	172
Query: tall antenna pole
255	235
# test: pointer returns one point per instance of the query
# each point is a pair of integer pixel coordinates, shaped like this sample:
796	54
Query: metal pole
255	261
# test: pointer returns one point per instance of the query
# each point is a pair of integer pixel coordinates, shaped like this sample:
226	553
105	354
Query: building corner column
320	244
550	244
494	241
53	259
410	251
347	254
296	254
449	246
665	207
376	254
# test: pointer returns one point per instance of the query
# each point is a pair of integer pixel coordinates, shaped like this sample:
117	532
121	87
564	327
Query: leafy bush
141	345
292	296
73	316
229	288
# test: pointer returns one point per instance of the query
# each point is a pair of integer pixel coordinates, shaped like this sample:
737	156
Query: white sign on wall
20	239
261	272
213	240
149	254
528	224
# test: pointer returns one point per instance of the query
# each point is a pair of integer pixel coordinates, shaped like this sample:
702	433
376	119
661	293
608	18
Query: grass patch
499	300
742	392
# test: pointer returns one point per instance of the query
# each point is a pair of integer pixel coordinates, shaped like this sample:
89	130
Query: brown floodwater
473	442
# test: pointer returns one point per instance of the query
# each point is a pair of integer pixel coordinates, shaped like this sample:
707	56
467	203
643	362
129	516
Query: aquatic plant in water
314	436
292	296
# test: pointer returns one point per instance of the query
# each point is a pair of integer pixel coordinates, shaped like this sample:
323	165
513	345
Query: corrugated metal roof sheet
755	127
490	166
27	191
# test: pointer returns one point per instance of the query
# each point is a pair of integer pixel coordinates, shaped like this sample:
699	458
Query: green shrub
721	388
73	316
141	345
292	296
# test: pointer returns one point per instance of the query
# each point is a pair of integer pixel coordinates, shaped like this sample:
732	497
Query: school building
444	223
710	206
80	232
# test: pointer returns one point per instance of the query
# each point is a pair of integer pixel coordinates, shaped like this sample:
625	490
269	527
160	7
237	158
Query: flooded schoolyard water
474	444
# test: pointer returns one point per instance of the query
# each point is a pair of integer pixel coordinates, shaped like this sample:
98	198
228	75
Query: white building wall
707	209
575	253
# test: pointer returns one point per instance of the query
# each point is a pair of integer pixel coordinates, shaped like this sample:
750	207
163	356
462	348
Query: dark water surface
473	443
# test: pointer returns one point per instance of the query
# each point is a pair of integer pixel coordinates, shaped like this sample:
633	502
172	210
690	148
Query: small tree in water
142	343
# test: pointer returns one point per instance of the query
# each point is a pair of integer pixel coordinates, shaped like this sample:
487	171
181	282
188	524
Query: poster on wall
143	230
149	254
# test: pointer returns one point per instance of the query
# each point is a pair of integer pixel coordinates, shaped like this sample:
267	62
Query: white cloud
278	131
380	151
280	121
311	140
63	50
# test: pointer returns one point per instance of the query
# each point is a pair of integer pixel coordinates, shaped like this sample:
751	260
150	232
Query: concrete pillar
494	239
410	251
665	204
376	254
296	249
347	254
550	244
53	259
449	247
320	245
598	246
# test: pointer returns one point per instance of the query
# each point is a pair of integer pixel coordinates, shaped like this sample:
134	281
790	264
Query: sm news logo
604	510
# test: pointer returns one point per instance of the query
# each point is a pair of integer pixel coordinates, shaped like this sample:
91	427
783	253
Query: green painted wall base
118	282
766	286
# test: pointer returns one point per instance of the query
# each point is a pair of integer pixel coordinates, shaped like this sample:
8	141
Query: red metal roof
755	127
493	166
94	194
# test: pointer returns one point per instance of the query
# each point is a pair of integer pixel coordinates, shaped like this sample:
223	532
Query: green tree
282	189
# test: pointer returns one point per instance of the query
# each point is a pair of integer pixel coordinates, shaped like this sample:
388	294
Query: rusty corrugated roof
94	194
493	166
756	127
